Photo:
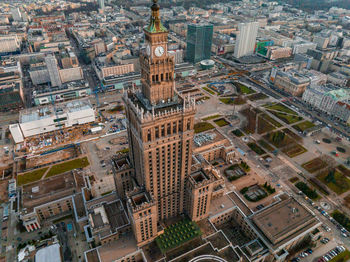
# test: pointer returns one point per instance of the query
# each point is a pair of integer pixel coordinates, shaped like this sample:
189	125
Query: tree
330	177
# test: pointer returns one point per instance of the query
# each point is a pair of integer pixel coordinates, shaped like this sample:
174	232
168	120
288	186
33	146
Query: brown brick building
157	180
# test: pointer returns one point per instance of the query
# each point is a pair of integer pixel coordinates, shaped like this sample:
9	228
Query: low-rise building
339	79
326	99
105	69
43	95
276	52
107	218
9	44
48	198
292	82
36	121
313	95
301	47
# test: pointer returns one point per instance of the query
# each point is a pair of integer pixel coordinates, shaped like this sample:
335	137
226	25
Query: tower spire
155	25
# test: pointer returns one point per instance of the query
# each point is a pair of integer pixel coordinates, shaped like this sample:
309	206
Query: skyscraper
101	4
246	39
199	40
160	133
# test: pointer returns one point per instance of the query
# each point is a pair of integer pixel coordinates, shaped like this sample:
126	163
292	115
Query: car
344	235
309	250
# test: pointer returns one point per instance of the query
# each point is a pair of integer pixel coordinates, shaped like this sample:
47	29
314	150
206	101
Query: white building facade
246	39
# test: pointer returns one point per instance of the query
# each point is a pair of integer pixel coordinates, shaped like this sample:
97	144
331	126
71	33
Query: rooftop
50	253
199	176
38	113
140	198
284	221
114	250
51	189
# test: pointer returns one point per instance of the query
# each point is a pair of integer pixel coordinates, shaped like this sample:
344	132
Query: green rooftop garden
177	234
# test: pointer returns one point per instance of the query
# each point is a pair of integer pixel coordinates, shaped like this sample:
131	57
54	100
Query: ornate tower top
155	25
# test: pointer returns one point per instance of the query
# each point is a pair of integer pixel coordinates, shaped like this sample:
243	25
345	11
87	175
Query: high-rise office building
199	40
51	64
101	4
245	43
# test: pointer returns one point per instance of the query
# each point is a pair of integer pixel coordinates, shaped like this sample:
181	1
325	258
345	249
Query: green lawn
209	90
336	181
287	118
257	149
221	122
303	126
211	117
281	108
257	96
202	126
264	125
294	149
233	100
123	151
31	176
67	166
294	179
271	120
314	165
244	89
342	257
278	139
177	234
265	145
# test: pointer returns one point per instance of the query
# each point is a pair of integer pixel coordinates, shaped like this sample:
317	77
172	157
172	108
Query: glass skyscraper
199	40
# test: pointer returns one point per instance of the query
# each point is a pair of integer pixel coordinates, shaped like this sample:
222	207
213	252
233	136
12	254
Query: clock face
159	51
148	50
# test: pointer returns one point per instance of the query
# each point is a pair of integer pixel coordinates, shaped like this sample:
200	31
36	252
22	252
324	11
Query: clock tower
157	68
160	133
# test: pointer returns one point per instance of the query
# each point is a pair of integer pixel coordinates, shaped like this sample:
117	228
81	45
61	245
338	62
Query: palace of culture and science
159	183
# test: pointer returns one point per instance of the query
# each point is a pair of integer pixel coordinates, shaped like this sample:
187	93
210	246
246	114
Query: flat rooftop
33	114
208	140
221	204
51	189
240	203
114	250
284	221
